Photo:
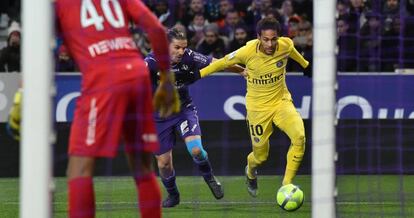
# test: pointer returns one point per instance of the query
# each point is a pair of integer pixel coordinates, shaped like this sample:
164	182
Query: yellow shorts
284	116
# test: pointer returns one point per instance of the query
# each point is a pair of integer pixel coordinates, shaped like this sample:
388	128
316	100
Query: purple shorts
185	124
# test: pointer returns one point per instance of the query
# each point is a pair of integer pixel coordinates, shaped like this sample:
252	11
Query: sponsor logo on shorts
194	127
184	127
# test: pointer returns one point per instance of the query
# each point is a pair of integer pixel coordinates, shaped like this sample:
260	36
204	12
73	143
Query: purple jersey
186	122
186	72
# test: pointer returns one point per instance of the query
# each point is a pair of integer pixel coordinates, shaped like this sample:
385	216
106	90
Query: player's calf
205	168
200	158
173	197
195	148
293	159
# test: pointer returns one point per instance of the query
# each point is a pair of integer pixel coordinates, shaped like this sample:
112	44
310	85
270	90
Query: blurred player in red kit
115	99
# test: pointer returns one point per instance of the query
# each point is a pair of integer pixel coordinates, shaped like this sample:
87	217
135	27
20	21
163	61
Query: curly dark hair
268	23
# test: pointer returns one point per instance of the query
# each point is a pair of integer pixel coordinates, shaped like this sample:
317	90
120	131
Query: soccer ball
290	197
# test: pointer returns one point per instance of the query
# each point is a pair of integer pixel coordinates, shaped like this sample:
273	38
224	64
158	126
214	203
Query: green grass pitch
358	196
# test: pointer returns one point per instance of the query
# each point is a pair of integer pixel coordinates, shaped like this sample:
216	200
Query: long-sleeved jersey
187	71
266	84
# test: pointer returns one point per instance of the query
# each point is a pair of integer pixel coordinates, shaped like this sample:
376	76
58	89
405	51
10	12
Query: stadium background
375	132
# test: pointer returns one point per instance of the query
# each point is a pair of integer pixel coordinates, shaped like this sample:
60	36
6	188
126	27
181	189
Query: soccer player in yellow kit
268	100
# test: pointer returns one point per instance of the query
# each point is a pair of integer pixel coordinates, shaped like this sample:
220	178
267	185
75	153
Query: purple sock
205	168
170	185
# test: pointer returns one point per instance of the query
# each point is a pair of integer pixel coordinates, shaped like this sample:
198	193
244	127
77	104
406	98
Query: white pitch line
231	203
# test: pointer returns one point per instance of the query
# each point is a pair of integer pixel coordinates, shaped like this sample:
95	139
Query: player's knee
261	159
195	151
80	166
195	148
198	153
145	165
164	165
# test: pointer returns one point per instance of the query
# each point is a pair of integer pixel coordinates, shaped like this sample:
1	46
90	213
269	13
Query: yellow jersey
266	84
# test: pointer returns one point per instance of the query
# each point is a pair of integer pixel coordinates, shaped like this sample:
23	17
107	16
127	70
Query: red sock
81	198
149	196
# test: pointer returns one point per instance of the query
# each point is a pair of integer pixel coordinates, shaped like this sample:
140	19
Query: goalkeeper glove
166	100
13	122
308	70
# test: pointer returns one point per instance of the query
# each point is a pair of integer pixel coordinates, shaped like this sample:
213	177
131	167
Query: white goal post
37	135
323	106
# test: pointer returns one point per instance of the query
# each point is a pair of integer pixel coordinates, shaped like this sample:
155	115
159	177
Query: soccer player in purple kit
186	65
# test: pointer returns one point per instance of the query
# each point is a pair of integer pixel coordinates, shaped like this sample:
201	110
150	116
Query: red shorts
103	116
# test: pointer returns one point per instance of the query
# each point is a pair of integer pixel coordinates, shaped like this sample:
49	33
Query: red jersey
97	35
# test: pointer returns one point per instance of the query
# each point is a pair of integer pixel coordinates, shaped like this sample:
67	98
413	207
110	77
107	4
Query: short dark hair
268	23
175	33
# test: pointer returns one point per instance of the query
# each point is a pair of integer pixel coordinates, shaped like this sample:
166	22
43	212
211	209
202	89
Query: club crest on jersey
257	140
184	67
279	64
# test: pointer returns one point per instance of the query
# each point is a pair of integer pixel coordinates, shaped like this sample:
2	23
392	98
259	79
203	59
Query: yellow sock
289	175
251	166
294	158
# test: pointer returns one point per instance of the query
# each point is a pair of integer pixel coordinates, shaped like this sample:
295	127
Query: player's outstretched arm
166	100
235	69
218	65
13	122
307	66
228	62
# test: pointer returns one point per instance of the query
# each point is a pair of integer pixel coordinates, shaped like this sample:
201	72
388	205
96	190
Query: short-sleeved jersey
187	71
266	84
97	35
